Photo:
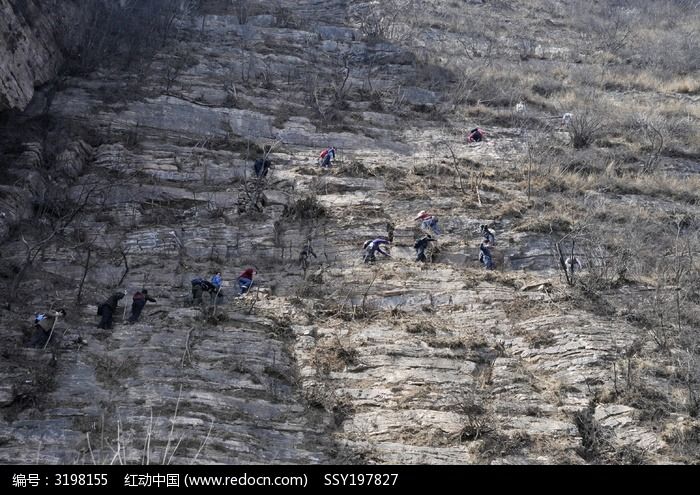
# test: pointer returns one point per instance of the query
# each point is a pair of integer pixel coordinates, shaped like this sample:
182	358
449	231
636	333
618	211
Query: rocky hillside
33	35
138	173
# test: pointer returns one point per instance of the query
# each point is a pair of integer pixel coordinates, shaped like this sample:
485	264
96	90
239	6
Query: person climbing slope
245	279
421	245
487	234
485	256
304	256
374	246
262	167
429	222
326	157
199	287
138	303
44	323
476	135
107	309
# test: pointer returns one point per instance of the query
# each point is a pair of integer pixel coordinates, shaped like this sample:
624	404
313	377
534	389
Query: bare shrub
421	327
287	18
547	87
526	48
584	127
477	420
355	169
307	207
385	20
123	32
593	438
242	10
613	27
334	356
607	267
485	84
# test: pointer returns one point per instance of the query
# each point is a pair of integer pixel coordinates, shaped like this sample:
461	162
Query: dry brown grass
686	85
332	355
537	337
515	208
421	328
524	307
646	80
686	190
544	223
655	185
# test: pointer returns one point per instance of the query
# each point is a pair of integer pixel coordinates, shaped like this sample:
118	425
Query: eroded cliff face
33	35
143	178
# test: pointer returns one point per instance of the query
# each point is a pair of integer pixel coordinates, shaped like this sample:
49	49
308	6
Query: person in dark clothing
476	135
304	256
197	291
139	301
373	247
487	234
262	166
245	279
485	256
43	325
199	286
421	245
107	309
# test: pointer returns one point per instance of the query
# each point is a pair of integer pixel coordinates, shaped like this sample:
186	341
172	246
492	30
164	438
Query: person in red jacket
429	222
245	279
326	157
476	135
137	306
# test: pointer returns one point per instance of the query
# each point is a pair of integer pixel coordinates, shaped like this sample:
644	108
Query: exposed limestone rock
418	96
335	33
72	161
335	361
30	52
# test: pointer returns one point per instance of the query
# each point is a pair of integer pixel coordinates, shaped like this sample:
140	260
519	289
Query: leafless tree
34	248
562	251
653	137
542	151
125	32
255	189
242	10
386	20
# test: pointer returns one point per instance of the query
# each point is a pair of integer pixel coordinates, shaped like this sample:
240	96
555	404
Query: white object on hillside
566	118
573	264
520	107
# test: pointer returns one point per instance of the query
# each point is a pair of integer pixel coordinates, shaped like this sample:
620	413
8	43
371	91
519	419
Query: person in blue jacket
327	156
216	282
373	247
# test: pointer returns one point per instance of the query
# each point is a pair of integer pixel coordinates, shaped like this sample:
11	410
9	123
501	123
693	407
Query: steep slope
33	37
148	184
